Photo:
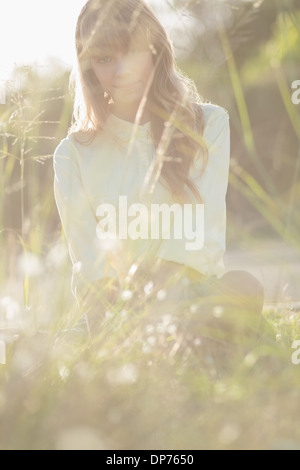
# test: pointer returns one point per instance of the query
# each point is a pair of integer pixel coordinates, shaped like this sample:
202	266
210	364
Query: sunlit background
34	31
41	34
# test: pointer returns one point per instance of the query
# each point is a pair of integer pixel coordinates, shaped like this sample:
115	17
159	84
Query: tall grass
148	380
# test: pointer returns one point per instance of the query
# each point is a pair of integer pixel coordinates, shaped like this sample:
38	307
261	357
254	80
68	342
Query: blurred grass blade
285	91
2	353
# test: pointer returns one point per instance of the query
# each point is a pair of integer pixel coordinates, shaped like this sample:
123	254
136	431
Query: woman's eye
103	60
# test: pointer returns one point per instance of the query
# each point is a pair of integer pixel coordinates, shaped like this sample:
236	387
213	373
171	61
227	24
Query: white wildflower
9	310
149	329
161	295
63	372
125	375
218	311
148	288
151	340
193	308
172	329
30	265
278	338
126	295
132	270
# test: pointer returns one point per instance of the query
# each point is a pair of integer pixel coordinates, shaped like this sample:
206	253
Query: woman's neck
130	114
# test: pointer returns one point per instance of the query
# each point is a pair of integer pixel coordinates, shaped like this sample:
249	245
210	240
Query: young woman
142	137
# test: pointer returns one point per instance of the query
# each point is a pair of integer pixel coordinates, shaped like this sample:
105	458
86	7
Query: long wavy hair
173	101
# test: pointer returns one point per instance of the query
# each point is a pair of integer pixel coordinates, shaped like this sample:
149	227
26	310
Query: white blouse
115	164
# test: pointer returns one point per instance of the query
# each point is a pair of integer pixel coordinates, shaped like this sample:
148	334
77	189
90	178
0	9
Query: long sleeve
212	185
79	222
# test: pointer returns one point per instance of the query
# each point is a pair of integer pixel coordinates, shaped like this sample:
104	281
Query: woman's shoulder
68	144
79	143
70	148
215	120
213	113
65	155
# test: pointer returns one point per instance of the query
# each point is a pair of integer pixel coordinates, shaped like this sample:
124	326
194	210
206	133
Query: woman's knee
244	290
243	282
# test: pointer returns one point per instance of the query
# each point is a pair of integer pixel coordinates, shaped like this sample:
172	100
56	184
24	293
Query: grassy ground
145	383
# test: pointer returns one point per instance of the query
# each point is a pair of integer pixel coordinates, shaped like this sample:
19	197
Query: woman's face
125	76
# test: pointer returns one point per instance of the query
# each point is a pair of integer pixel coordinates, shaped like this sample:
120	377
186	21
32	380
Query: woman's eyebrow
96	51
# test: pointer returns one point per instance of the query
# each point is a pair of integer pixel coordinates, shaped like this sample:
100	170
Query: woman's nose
122	66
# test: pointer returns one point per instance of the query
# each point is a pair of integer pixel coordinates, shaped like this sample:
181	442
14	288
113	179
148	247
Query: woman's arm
212	185
90	261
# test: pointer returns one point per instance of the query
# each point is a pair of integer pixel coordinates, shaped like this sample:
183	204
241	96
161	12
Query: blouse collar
126	130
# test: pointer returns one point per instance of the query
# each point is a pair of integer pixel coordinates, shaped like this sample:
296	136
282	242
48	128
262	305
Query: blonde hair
173	101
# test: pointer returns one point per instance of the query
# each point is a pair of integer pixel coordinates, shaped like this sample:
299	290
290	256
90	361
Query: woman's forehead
109	39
